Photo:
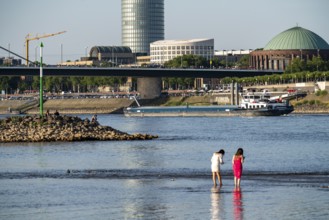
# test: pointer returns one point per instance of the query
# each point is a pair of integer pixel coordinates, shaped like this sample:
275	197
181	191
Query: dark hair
221	151
239	152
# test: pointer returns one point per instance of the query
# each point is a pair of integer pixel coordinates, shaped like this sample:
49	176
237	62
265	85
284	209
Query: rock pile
60	128
311	109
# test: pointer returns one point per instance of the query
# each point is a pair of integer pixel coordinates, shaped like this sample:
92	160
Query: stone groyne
307	109
60	128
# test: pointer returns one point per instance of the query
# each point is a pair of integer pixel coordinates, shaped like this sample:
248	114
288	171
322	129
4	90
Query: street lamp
61	53
36	53
317	62
86	51
226	59
270	63
8	51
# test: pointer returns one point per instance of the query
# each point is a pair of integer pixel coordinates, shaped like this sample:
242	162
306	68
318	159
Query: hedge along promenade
60	128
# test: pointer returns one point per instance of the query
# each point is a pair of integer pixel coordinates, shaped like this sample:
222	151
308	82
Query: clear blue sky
234	24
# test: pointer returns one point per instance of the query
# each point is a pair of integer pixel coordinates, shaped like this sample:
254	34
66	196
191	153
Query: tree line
58	84
298	71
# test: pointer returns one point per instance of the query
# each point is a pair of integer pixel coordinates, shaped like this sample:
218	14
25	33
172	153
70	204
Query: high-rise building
142	24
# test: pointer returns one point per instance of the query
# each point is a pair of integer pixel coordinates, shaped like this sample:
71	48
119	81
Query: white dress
216	160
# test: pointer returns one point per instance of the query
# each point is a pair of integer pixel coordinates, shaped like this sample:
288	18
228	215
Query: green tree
22	86
216	63
35	83
316	64
243	63
297	65
75	83
187	61
4	83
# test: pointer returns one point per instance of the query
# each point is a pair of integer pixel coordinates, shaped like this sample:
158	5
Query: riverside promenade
69	106
115	106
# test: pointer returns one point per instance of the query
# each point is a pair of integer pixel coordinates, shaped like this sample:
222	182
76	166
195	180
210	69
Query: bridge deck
134	72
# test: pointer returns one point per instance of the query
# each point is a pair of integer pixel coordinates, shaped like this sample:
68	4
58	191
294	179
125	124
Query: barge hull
228	113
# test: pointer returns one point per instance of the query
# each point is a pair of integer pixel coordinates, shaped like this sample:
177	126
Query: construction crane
28	38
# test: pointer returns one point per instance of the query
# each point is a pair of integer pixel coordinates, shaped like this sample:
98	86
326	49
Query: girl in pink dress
237	162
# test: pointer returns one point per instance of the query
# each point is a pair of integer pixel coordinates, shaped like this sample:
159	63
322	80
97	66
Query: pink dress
237	166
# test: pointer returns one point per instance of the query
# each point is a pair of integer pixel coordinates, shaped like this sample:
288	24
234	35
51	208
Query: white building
165	50
232	52
231	56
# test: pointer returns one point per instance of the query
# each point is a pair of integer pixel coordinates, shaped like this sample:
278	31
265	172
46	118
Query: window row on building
184	47
165	50
179	52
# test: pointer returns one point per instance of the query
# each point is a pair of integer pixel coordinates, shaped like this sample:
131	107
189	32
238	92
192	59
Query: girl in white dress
216	160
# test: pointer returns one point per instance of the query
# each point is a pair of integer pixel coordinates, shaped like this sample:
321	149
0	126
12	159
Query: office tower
142	24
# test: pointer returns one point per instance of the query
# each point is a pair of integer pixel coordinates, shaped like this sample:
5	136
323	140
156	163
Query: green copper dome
297	38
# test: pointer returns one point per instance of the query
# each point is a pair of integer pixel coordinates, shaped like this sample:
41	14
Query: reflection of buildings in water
147	203
237	204
140	156
217	208
42	161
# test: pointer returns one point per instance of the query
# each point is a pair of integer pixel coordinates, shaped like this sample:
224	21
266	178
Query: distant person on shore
216	160
47	113
94	119
237	162
56	113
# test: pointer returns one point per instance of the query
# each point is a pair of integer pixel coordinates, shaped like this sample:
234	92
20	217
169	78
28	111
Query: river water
286	171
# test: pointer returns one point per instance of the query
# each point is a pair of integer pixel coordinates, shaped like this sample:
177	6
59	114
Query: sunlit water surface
286	171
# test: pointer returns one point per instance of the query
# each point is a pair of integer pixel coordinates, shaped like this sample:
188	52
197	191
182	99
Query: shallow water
286	173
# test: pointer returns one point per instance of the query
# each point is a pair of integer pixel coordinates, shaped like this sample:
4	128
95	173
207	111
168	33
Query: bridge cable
18	55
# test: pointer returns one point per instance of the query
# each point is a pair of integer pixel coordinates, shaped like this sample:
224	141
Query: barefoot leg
214	178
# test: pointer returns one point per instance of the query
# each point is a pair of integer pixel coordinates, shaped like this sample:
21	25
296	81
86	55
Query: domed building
295	42
118	55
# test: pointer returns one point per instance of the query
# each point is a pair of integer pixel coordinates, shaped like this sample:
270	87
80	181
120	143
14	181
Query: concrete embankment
104	106
84	106
6	106
70	106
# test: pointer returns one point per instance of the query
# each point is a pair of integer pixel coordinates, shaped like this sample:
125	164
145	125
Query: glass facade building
142	24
